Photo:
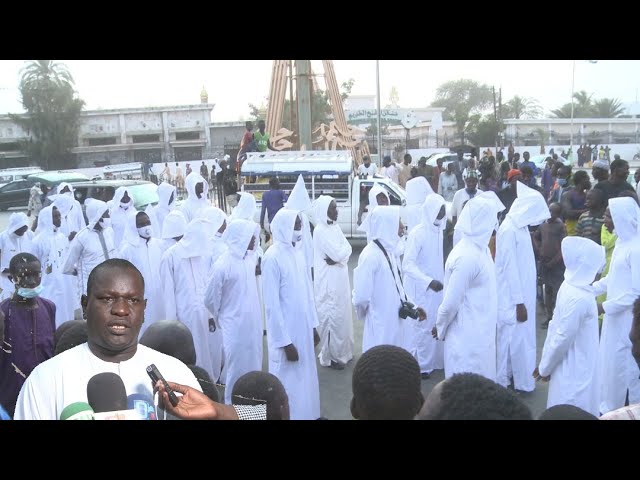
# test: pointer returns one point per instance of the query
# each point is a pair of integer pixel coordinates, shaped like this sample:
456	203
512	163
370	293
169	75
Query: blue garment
3	414
272	201
531	165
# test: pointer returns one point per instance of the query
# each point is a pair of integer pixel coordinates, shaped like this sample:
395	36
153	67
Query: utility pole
291	98
495	118
303	93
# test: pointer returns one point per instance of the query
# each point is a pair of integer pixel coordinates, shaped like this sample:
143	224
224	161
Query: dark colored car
16	194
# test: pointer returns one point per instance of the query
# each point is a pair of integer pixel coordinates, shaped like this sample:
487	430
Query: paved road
335	386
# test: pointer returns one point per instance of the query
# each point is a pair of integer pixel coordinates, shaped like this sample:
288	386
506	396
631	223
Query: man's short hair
566	412
274	182
172	338
469	396
21	259
407	157
580	176
365	158
618	164
526	170
112	263
73	336
208	386
257	388
386	384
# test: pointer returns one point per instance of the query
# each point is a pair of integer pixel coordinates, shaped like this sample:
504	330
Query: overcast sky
233	84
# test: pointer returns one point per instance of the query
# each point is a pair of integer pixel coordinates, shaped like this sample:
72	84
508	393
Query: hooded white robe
291	318
85	250
517	277
617	369
157	213
377	290
192	206
417	190
423	262
331	287
71	216
10	245
299	200
184	270
232	299
570	352
52	247
174	226
120	213
467	315
145	254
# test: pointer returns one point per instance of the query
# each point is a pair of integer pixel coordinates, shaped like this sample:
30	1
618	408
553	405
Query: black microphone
106	393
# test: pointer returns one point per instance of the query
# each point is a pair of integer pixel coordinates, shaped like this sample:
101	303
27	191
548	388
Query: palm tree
608	108
45	70
583	106
522	107
562	112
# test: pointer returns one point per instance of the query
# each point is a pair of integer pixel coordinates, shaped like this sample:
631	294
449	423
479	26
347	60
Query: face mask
437	222
562	181
30	292
69	194
105	222
218	235
296	237
124	206
145	232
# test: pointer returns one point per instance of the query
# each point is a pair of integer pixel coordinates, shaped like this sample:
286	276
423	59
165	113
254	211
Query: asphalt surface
335	386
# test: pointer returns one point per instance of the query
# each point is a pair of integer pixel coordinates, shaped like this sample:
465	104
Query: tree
522	107
461	99
582	107
53	114
608	108
483	130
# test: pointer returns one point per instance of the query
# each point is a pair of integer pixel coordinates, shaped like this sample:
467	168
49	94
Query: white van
325	173
124	171
9	175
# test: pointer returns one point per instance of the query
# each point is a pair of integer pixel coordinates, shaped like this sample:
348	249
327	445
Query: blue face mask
562	181
30	292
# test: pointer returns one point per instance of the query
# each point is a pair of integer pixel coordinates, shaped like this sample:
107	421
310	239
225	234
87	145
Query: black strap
377	242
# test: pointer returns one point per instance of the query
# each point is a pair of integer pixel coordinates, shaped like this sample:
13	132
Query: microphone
142	405
106	393
77	411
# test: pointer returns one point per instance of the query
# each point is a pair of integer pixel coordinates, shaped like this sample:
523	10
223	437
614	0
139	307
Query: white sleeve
363	287
31	403
168	287
562	333
457	285
625	301
600	286
73	258
511	268
338	253
213	294
409	265
276	328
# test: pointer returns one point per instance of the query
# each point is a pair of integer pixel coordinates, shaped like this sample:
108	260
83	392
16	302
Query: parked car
8	175
144	193
16	194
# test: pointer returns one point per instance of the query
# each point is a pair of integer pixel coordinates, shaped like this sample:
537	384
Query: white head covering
626	218
63	202
417	190
376	190
299	197
17	221
479	219
45	221
529	208
583	258
164	194
195	242
95	210
190	184
238	235
246	208
61	187
216	216
117	198
383	225
320	207
430	210
131	234
283	224
174	225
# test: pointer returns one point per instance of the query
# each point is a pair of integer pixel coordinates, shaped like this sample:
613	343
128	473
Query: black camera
408	309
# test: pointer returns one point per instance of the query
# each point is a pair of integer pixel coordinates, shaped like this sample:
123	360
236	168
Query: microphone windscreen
142	404
77	411
106	393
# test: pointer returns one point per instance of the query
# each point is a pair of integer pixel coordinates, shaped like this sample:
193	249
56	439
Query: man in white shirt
367	169
114	307
390	169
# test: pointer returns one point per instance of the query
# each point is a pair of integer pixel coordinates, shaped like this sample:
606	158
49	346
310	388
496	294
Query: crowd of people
194	289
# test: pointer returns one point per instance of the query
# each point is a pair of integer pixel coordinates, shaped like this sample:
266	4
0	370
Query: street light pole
379	129
573	79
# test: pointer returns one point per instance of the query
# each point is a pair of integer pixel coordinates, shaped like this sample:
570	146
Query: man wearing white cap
15	239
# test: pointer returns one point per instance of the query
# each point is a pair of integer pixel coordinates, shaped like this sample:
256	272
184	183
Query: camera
408	309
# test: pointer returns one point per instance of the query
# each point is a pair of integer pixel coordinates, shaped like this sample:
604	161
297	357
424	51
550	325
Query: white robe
417	190
52	247
291	318
375	287
299	200
517	277
570	352
459	199
331	288
467	315
62	380
232	299
10	245
157	213
121	216
423	262
146	256
617	368
192	206
184	270
71	216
